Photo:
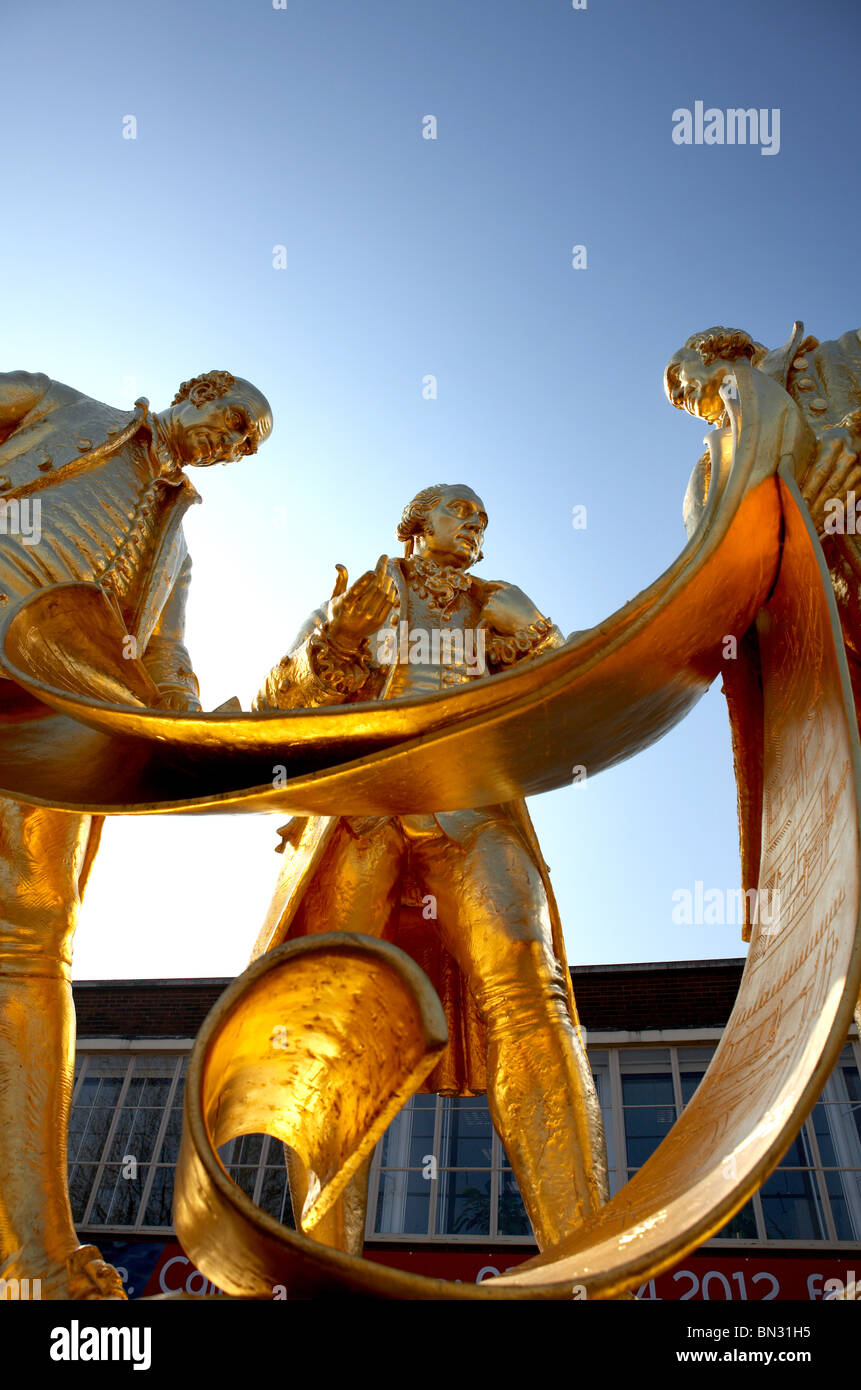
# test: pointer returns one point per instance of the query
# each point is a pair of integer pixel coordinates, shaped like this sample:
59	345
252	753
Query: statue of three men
115	492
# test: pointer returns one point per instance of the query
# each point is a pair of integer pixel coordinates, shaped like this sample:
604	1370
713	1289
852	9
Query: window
440	1171
120	1152
124	1135
649	1102
814	1194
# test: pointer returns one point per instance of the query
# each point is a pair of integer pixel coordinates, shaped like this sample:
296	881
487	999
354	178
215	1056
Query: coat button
85	444
45	465
818	404
806	383
800	364
5	483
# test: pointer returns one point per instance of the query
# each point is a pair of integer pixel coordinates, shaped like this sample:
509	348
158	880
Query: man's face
222	430
454	529
692	386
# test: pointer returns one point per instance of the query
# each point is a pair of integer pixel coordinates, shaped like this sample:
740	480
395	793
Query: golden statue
325	1036
94	494
466	893
824	381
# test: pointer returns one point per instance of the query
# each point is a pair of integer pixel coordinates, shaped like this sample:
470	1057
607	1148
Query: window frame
613	1044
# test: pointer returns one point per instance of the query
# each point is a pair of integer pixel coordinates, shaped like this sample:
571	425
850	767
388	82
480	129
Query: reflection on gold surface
753	557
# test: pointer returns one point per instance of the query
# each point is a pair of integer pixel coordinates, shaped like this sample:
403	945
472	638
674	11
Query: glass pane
852	1082
244	1178
799	1154
134	1090
173	1133
118	1198
648	1088
249	1148
135	1134
696	1058
741	1227
464	1204
158	1209
158	1066
822	1126
690	1080
790	1206
403	1204
91	1139
109	1090
511	1214
467	1137
274	1196
275	1154
409	1137
81	1178
156	1092
645	1129
88	1091
844	1191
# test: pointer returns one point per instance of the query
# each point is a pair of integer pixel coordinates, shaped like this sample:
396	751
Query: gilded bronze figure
824	381
466	893
109	492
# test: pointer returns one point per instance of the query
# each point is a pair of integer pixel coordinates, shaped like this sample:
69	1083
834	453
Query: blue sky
132	264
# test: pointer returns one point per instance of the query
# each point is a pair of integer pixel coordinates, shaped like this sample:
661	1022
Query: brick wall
672	994
675	994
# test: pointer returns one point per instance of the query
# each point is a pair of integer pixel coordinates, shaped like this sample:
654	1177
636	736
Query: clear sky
131	264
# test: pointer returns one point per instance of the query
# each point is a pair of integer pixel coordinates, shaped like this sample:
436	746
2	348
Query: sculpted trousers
42	854
493	917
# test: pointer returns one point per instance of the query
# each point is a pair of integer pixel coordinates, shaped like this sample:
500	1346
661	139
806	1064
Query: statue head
216	418
695	373
445	523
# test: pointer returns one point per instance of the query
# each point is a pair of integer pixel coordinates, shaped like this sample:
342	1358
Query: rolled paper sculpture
597	700
320	1044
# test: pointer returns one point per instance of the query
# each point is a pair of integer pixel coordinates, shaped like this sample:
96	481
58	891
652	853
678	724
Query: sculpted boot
43	860
37	1235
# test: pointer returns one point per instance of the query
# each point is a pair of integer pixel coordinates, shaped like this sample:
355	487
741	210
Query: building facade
443	1199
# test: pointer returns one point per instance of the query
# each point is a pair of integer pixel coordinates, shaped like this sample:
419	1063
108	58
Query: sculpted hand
508	610
834	472
355	613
